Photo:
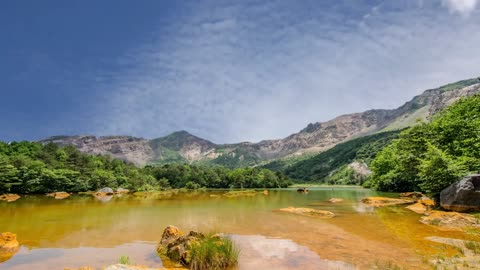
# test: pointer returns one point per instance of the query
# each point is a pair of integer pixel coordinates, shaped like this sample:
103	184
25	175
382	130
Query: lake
84	231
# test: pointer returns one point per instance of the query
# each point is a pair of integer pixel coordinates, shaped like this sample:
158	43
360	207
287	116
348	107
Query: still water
84	231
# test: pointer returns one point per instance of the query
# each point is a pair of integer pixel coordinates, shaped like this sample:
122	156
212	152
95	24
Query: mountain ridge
181	146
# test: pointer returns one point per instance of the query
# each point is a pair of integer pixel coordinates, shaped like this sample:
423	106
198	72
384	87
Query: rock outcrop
463	195
450	220
9	197
384	201
176	245
8	245
308	212
422	206
59	195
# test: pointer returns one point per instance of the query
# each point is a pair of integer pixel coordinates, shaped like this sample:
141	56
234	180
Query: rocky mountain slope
316	137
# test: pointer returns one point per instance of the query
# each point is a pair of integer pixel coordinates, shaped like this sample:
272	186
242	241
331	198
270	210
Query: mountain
316	137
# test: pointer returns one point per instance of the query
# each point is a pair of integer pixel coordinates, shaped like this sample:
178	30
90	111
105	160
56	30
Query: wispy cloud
252	71
464	7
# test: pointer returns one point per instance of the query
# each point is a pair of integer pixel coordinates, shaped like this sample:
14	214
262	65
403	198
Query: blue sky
227	71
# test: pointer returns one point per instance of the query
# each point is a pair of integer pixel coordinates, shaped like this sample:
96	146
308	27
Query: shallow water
82	230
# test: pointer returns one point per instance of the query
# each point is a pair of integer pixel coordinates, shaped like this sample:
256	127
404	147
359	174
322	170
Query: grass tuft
213	252
124	259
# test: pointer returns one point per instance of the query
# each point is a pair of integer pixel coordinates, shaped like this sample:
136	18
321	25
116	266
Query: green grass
124	259
213	252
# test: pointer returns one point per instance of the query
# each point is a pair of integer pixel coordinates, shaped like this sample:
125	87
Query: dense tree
430	156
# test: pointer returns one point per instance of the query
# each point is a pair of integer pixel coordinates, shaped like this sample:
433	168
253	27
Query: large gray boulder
463	195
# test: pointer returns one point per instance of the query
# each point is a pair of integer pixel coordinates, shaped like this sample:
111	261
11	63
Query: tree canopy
430	156
30	167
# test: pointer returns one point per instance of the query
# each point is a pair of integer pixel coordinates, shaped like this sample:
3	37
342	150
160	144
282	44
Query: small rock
9	197
122	191
308	212
426	201
384	201
59	195
106	191
335	200
265	192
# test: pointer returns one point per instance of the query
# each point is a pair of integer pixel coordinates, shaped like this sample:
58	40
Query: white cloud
249	72
464	7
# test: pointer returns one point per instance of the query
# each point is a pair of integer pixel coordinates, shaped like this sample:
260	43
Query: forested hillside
319	167
27	167
430	156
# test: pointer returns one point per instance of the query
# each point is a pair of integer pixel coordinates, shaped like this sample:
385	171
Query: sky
226	71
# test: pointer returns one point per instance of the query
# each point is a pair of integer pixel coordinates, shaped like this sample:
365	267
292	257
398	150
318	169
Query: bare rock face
463	195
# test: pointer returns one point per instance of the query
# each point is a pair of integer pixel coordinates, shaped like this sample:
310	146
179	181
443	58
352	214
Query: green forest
430	156
30	167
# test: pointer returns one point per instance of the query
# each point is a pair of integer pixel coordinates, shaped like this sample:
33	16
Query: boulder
106	190
8	245
335	200
9	197
463	195
450	220
308	212
384	201
302	190
59	195
265	192
122	191
176	246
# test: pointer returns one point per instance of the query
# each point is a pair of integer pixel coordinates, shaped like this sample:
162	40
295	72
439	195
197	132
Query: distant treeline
30	167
